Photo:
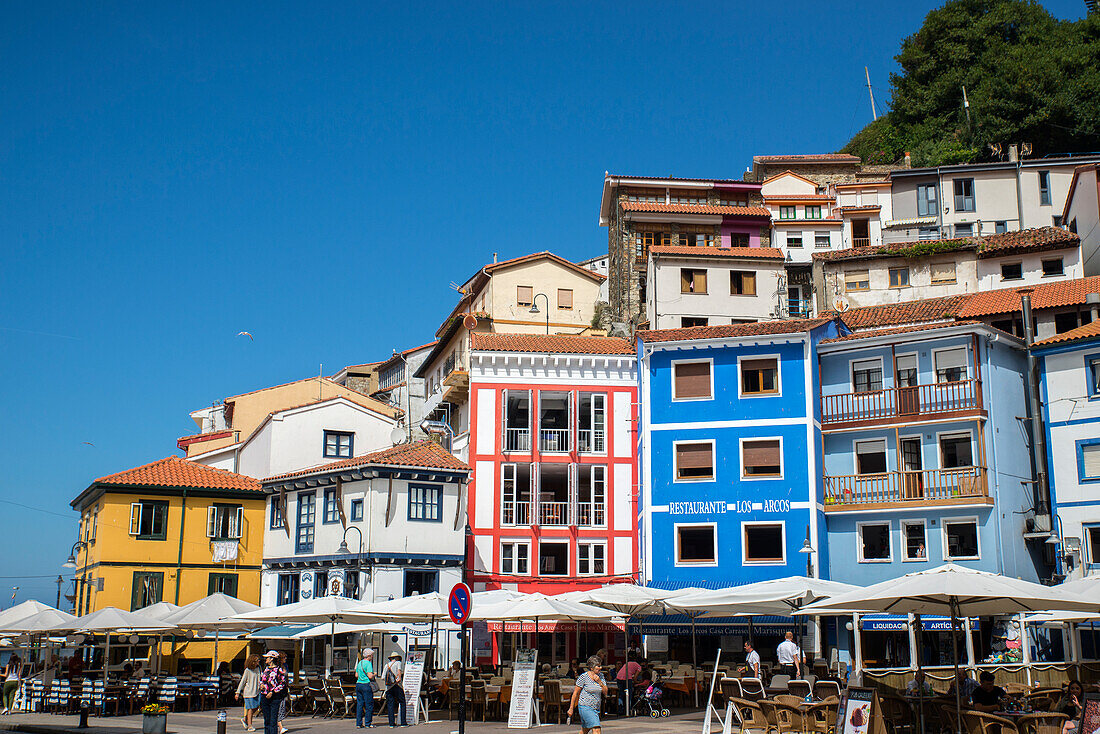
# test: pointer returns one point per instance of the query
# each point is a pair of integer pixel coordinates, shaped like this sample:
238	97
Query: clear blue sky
176	173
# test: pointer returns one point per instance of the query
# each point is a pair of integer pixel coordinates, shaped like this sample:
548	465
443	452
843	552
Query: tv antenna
874	112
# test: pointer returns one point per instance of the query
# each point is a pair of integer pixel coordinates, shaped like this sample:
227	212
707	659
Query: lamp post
59	582
809	550
343	550
83	579
535	309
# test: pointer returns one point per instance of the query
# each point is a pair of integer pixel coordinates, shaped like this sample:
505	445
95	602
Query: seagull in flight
245	333
89	443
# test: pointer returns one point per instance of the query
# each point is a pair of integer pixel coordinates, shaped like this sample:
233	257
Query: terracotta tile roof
912	312
863	208
1081	333
419	454
741	211
678	178
869	183
184	441
1047	295
789	174
768	253
398	355
872	333
807	158
544	255
797	197
899	249
732	331
994	245
553	344
1027	240
176	472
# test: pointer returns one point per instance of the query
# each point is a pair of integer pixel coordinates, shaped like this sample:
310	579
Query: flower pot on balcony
154	723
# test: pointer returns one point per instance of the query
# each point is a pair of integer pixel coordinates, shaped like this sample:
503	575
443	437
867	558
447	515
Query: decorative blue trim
422	506
1079	446
428	560
339	434
329	496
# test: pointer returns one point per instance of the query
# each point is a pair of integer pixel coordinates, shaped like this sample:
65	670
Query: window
307	511
794	239
1064	322
1044	188
899	277
964	230
553	559
950	364
696	545
926	200
149	520
943	273
874	542
1056	220
686	322
821	240
1089	462
147	589
759	376
1012	271
742	283
871	457
697	240
222	583
741	239
513	558
351	585
1094	376
426	502
525	295
761	458
320	584
642	242
693	280
275	514
914	541
1000	227
694	461
1053	266
224	522
1092	537
331	509
964	194
788	212
856	280
288	588
813	212
867	375
763	543
732	199
688	197
421	582
691	381
961	539
927	233
955	451
356	510
565	298
590	559
905	370
338	445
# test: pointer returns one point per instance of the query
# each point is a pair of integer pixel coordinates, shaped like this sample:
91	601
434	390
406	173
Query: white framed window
759	376
950	364
960	539
1092	539
591	559
692	379
693	461
914	540
224	522
956	449
696	544
871	456
867	375
873	542
763	543
515	557
761	458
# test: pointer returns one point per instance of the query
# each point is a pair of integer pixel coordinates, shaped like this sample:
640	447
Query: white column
913	647
857	669
970	661
1025	648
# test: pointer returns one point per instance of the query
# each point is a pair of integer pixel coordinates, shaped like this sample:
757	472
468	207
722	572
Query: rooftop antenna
874	112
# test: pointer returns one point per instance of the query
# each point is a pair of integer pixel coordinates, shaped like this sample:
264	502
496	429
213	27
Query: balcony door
905	374
912	465
861	232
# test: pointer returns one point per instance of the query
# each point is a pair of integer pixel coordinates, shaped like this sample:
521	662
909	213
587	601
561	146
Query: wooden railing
939	397
905	486
861	242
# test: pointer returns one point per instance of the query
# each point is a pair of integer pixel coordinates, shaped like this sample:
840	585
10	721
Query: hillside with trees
1029	78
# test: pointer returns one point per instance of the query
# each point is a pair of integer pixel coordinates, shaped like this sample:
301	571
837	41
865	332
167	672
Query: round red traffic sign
459	602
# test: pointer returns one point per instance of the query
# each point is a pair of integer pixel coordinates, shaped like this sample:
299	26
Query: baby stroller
648	701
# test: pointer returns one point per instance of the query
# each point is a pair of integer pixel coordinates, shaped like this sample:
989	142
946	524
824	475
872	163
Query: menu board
411	682
523	689
860	713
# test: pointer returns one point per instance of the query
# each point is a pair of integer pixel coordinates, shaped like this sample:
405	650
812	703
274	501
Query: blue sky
173	174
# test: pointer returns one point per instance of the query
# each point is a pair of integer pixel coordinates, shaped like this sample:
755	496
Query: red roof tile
994	245
808	158
544	255
759	328
741	211
419	455
898	249
767	253
678	178
912	312
174	471
777	198
1027	240
1047	295
552	344
872	333
1081	333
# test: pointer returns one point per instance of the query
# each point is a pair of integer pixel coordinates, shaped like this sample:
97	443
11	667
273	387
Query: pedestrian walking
286	699
249	690
752	660
790	657
364	689
392	677
272	691
588	696
13	675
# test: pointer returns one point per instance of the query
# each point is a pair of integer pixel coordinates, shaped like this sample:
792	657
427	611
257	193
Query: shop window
320	584
761	458
759	376
915	541
222	583
691	381
763	543
874	542
696	545
961	539
694	461
288	588
351	585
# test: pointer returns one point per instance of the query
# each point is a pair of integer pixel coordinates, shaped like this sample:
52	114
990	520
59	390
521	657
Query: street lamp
535	309
808	549
344	543
71	562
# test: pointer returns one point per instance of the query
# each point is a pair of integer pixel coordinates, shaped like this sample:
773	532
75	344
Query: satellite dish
469	321
841	305
397	436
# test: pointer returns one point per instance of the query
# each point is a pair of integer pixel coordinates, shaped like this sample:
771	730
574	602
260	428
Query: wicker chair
787	699
788	719
979	722
820	717
1048	723
752	717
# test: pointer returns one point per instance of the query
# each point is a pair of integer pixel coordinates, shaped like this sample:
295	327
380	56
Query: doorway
912	466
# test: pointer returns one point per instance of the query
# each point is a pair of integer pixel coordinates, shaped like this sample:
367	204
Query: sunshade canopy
113	619
41	621
311	611
214	612
775	597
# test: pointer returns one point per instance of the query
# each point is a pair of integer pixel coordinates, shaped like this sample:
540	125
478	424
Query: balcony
456	369
554	439
927	487
800	308
591	441
517	439
902	404
553	513
515	513
861	242
591	515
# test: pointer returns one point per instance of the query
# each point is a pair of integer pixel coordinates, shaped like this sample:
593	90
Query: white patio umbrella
21	611
956	591
160	610
36	622
112	621
213	613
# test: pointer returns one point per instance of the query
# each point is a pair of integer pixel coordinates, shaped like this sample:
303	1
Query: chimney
494	258
908	160
1013	153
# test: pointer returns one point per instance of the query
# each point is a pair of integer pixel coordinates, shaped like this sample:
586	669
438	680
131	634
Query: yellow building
173	531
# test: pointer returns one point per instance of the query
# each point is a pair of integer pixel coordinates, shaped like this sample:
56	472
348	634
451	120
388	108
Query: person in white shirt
752	660
790	657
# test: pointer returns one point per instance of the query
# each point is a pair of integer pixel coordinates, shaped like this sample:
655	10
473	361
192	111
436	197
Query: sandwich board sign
411	682
861	713
521	712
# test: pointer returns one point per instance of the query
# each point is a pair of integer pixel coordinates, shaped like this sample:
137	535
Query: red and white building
553	503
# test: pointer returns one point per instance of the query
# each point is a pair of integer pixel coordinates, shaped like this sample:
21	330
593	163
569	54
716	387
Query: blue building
729	452
926	452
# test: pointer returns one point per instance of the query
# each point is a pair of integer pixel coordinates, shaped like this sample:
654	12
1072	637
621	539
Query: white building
400	388
1081	214
598	265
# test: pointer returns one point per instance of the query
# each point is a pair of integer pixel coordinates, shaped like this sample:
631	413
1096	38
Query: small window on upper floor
759	376
1094	376
1064	322
857	280
525	294
926	200
813	212
788	212
565	298
899	277
1044	188
691	381
867	375
821	240
224	522
927	233
951	364
943	273
1012	271
964	194
693	280
741	239
794	239
1092	536
694	461
761	458
1000	227
356	510
742	283
687	322
1053	267
338	444
964	230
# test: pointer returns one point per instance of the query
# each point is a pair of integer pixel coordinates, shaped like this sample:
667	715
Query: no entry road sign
458	603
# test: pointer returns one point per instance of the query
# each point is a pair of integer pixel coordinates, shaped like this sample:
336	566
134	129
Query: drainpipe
179	552
1014	156
1038	435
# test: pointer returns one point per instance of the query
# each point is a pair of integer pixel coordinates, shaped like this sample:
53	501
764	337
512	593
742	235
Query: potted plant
154	719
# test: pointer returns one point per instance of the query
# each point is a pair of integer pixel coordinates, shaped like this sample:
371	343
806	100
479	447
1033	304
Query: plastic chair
167	694
730	688
779	683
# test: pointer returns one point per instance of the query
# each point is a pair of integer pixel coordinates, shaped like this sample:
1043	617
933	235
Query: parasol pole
955	651
694	661
919	632
627	683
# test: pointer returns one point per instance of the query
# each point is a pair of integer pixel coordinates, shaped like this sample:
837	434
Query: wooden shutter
135	518
700	281
748	283
524	294
758	365
691	380
1090	456
686	280
694	456
761	453
565	298
943	272
238	523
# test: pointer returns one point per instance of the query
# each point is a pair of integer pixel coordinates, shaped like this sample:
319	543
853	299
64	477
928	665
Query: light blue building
926	453
729	452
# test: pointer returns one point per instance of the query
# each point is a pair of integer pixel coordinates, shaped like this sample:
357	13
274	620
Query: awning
278	631
909	222
680	624
897	622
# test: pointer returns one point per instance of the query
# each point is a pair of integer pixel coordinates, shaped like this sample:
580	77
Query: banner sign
411	682
523	689
898	624
555	627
